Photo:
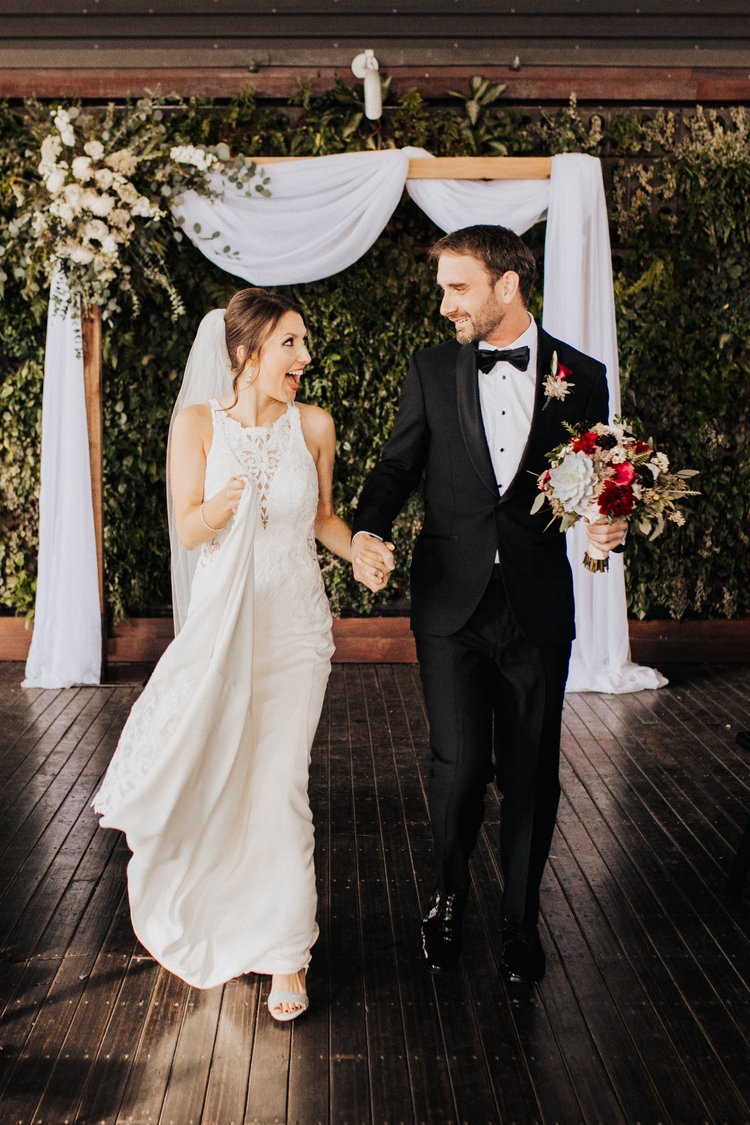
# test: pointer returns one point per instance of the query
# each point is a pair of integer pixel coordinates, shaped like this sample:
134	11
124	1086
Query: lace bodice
278	464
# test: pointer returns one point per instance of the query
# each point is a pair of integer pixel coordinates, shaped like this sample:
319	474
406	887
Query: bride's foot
288	996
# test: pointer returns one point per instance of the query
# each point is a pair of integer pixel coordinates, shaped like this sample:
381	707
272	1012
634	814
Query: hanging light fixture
365	66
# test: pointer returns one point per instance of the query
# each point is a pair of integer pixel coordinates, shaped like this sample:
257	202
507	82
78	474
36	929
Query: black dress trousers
494	703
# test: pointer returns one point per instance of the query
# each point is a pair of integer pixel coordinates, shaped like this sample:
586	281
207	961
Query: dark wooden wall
612	45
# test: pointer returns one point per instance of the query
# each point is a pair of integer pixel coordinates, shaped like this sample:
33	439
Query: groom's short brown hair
497	248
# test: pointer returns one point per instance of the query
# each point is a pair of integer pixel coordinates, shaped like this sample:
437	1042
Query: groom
491	588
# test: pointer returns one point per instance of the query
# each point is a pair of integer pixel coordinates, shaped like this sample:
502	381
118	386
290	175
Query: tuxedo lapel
470	417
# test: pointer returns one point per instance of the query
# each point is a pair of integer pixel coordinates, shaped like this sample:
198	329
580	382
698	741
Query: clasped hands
372	561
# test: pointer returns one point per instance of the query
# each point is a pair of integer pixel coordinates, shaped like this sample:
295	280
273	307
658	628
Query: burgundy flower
586	443
623	473
616	500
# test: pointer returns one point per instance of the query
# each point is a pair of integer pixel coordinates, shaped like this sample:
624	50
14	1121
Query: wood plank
635	83
644	1013
583	9
459	167
389	640
388	27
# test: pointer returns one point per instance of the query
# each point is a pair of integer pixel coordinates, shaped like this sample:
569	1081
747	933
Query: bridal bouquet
606	473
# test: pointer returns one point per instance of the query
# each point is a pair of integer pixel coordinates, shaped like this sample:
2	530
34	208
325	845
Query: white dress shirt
506	396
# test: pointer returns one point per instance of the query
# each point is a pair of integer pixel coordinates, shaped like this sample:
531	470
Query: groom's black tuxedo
439	433
493	640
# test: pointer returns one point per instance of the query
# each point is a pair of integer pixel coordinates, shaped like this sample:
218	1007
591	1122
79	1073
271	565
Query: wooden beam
388	640
460	167
92	379
629	85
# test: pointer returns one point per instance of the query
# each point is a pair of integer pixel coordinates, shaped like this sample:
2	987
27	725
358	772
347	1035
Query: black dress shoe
523	959
442	940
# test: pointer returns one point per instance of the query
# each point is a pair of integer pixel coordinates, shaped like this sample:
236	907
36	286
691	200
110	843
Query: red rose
642	446
563	371
586	443
616	500
623	473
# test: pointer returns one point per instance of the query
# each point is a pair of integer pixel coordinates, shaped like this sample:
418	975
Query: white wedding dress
209	779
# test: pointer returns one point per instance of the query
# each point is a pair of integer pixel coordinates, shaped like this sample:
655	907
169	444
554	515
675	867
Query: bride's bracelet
205	521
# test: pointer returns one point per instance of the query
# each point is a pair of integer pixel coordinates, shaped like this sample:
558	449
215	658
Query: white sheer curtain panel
322	216
579	307
451	204
66	646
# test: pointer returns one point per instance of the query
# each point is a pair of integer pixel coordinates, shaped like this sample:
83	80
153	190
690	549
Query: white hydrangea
94	149
122	161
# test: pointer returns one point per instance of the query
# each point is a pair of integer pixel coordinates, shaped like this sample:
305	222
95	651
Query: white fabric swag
323	215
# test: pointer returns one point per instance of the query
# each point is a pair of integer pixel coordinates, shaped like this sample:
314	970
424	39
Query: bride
209	779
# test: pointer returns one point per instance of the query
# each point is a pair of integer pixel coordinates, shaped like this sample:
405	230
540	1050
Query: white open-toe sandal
279	996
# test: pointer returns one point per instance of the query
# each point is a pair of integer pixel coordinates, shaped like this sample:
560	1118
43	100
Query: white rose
62	211
143	207
103	178
109	245
74	194
51	148
55	182
81	168
572	482
101	204
81	255
126	191
94	149
95	228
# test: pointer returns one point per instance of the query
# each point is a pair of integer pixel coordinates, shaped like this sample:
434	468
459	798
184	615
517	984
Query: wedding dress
209	779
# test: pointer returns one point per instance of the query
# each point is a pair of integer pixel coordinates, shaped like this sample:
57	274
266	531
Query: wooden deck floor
644	1015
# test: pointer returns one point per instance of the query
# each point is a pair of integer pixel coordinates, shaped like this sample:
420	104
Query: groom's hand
372	561
607	536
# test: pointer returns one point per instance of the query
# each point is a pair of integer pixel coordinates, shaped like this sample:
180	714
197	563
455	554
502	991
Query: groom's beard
481	324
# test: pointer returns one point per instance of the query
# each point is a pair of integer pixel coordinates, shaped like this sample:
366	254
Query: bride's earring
250	377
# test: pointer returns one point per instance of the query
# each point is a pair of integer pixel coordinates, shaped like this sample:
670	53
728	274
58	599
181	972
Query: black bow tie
486	359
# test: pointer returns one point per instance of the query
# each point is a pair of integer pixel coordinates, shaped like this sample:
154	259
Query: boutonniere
557	384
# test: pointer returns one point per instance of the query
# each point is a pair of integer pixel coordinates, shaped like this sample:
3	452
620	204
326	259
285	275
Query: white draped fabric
326	212
66	644
579	307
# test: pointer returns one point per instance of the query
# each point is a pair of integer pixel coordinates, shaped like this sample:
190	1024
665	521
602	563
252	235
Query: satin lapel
470	417
544	349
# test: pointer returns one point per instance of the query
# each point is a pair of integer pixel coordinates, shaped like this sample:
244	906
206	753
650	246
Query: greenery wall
678	193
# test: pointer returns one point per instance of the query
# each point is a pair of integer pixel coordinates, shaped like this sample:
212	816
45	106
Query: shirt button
502	411
502	451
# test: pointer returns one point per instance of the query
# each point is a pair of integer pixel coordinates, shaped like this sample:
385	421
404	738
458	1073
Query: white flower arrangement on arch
96	196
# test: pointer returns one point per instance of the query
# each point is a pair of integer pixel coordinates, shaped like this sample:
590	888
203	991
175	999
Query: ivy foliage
680	232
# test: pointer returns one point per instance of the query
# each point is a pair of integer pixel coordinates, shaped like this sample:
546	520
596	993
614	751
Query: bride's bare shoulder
194	417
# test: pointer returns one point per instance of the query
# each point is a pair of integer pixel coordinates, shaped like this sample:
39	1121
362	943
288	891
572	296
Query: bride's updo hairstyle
250	318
